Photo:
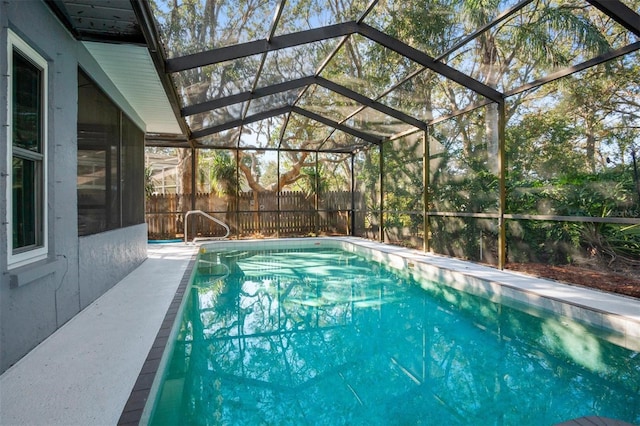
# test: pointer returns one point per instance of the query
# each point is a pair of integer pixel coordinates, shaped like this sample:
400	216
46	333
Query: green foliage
599	195
149	187
220	169
542	146
466	238
608	194
470	193
312	182
621	241
367	176
543	241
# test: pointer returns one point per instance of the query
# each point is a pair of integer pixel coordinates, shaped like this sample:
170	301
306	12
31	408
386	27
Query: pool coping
607	311
134	407
612	312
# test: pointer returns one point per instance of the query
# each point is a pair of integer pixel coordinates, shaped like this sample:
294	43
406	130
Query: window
27	180
110	163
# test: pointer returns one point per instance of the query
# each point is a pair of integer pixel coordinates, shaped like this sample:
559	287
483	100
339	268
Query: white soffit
131	70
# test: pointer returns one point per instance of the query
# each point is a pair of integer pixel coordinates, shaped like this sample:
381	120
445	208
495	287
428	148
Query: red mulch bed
627	284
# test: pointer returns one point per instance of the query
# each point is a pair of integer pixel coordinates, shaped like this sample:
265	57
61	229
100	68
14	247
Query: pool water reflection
325	337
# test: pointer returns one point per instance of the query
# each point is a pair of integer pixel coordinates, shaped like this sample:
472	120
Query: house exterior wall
99	253
39	297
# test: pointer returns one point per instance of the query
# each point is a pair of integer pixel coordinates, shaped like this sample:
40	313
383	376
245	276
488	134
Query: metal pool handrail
218	221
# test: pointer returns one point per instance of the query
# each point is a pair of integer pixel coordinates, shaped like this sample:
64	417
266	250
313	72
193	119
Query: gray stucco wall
108	257
38	298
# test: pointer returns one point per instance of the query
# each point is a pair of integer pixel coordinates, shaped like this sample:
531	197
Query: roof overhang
110	31
131	70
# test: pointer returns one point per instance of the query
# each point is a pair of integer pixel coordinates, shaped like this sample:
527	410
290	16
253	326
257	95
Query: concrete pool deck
84	373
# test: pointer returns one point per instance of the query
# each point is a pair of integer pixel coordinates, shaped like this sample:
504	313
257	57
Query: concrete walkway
84	372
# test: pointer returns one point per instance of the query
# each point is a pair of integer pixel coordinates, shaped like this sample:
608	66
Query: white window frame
40	251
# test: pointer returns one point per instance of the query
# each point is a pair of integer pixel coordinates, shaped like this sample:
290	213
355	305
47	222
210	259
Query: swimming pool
344	333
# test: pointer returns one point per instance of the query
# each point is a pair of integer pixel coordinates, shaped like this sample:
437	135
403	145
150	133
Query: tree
189	26
539	38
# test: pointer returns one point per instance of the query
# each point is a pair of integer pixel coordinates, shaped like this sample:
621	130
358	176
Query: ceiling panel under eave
99	20
131	70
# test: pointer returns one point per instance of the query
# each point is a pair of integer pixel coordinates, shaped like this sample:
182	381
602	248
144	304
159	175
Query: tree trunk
591	146
185	172
492	132
490	69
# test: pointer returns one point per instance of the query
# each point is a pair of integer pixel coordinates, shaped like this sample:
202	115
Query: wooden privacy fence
293	213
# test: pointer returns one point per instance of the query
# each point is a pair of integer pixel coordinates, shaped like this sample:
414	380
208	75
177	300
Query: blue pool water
325	337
